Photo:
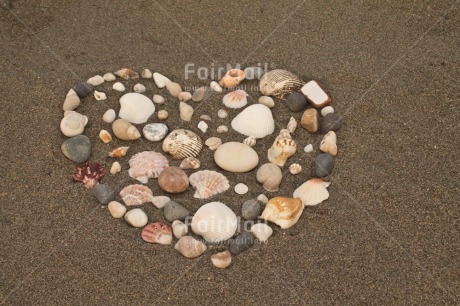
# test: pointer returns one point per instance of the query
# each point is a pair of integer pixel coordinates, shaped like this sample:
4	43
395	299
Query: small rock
174	89
160	80
222	129
184	96
296	102
308	148
215	86
103	193
77	149
109	116
174	211
267	101
95	80
262	198
309	120
163	114
155	131
222	113
158	99
139	88
160	201
71	102
213	143
118	86
241	243
116	167
186	111
253	73
331	122
202	94
327	110
221	260
251	209
205	117
109	77
179	229
324	163
261	231
203	126
136	217
116	209
146	74
241	188
83	89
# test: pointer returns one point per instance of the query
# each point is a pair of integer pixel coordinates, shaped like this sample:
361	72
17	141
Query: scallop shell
250	141
295	168
215	222
72	101
157	233
235	99
73	123
279	83
190	163
190	247
208	183
105	136
283	147
329	143
213	143
127	73
182	143
118	152
312	192
270	176
255	120
136	195
284	212
147	164
292	125
232	78
222	260
124	130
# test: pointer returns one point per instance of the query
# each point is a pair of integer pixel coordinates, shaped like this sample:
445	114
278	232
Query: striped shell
136	195
208	183
279	83
147	164
182	143
255	120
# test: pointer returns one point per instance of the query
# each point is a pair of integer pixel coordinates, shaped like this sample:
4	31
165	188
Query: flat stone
103	193
241	243
174	211
77	149
155	131
324	163
251	209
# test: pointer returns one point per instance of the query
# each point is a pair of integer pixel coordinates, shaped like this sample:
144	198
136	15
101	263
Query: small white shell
179	229
116	167
119	87
73	123
185	96
203	126
208	183
261	231
146	74
241	188
95	80
283	147
267	101
160	80
182	143
235	99
327	110
100	96
255	120
222	113
213	143
250	141
139	88
262	198
158	99
185	111
312	192
292	125
109	77
109	116
308	148
105	136
215	86
295	168
222	129
190	163
215	222
205	117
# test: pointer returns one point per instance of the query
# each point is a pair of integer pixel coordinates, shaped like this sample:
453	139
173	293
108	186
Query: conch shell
269	175
124	130
232	78
283	148
284	212
190	247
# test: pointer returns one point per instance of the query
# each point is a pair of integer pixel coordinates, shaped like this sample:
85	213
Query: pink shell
147	164
136	195
208	183
89	174
157	233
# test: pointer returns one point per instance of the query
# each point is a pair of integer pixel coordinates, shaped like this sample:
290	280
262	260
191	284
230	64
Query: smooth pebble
330	122
308	148
109	77
109	116
116	167
155	131
222	113
116	209
241	243
251	209
241	188
296	102
324	163
118	87
158	99
136	217
327	110
103	193
77	149
174	211
139	88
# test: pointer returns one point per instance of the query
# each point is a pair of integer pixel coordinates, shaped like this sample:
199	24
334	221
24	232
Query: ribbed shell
255	120
208	183
182	143
136	195
312	192
147	164
279	83
215	222
235	99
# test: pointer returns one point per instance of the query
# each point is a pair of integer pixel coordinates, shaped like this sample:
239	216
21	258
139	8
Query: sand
387	235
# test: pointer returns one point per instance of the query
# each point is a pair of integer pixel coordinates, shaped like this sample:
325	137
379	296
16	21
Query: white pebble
261	231
179	229
267	101
327	110
139	88
184	96
205	117
308	148
241	188
222	129
215	86
95	80
109	116
109	77
100	96
136	217
116	167
160	80
116	209
163	114
160	201
158	99
146	74
222	113
203	126
262	198
118	86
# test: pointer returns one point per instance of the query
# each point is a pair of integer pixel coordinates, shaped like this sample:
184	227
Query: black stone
251	209
296	102
241	243
331	122
324	163
77	149
103	193
83	89
174	211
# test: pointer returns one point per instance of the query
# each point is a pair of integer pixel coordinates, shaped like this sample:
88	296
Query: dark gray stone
174	211
103	193
241	243
296	102
77	149
83	89
324	163
251	209
331	122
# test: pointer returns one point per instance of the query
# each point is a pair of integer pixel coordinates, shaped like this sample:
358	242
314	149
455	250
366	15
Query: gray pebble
155	131
331	122
174	211
253	73
103	193
202	94
296	102
241	243
77	149
251	209
83	89
324	163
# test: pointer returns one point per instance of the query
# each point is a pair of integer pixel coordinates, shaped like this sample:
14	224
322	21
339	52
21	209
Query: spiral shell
190	247
232	78
182	143
124	130
208	183
147	164
279	83
292	125
284	212
215	222
269	175
73	123
136	195
283	148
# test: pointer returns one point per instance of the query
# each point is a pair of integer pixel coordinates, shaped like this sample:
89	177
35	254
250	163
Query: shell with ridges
279	83
147	164
255	120
295	168
232	78
215	222
292	125
157	233
182	143
284	212
208	183
124	130
312	192
136	195
73	123
270	176
235	99
250	141
283	147
190	247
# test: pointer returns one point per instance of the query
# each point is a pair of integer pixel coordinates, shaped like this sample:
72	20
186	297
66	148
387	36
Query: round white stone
109	116
241	188
327	110
155	131
236	157
116	209
136	217
136	108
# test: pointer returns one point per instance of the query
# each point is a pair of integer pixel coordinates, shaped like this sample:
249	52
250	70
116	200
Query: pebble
136	217
118	86
103	193
95	80
324	163
203	126
202	94
185	96
146	74
139	88
296	102
109	77
221	260
213	143
262	198
253	73
251	209
331	122
179	229
215	86
77	149
267	101
83	89
160	201
155	131
158	99
116	167
116	209
205	117
160	80
174	211
241	188
308	148
222	129
71	102
241	243
261	231
185	111
222	113
163	114
109	116
236	157
174	89
327	110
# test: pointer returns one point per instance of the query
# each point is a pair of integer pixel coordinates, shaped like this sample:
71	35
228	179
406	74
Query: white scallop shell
136	195
73	123
279	83
182	143
208	183
136	108
147	164
312	192
215	222
235	99
255	120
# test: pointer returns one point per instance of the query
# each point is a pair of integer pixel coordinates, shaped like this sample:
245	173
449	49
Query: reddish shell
89	174
157	233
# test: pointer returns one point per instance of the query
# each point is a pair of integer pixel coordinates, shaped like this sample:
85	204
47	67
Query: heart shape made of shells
214	221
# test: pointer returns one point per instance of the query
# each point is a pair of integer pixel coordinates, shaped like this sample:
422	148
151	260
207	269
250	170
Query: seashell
160	80
262	198
283	147
185	96
119	152
284	133
309	120
160	201
95	80
105	136
261	231
205	117
109	77
213	143
329	143
163	114
89	174
116	209
221	260
295	168
308	148
158	99
232	78
222	129
182	143
116	167
100	96
179	229
73	123
72	101
255	120
250	141
185	111
222	113
202	126
124	130
269	175
292	125
157	233
279	83
284	212
173	180
190	163
327	110
136	195
146	74
127	74
136	108
267	101
208	183
190	247
215	222
174	89
236	157
147	164
312	192
118	87
241	188
215	86
315	95
235	99
139	88
109	116
202	94
136	217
